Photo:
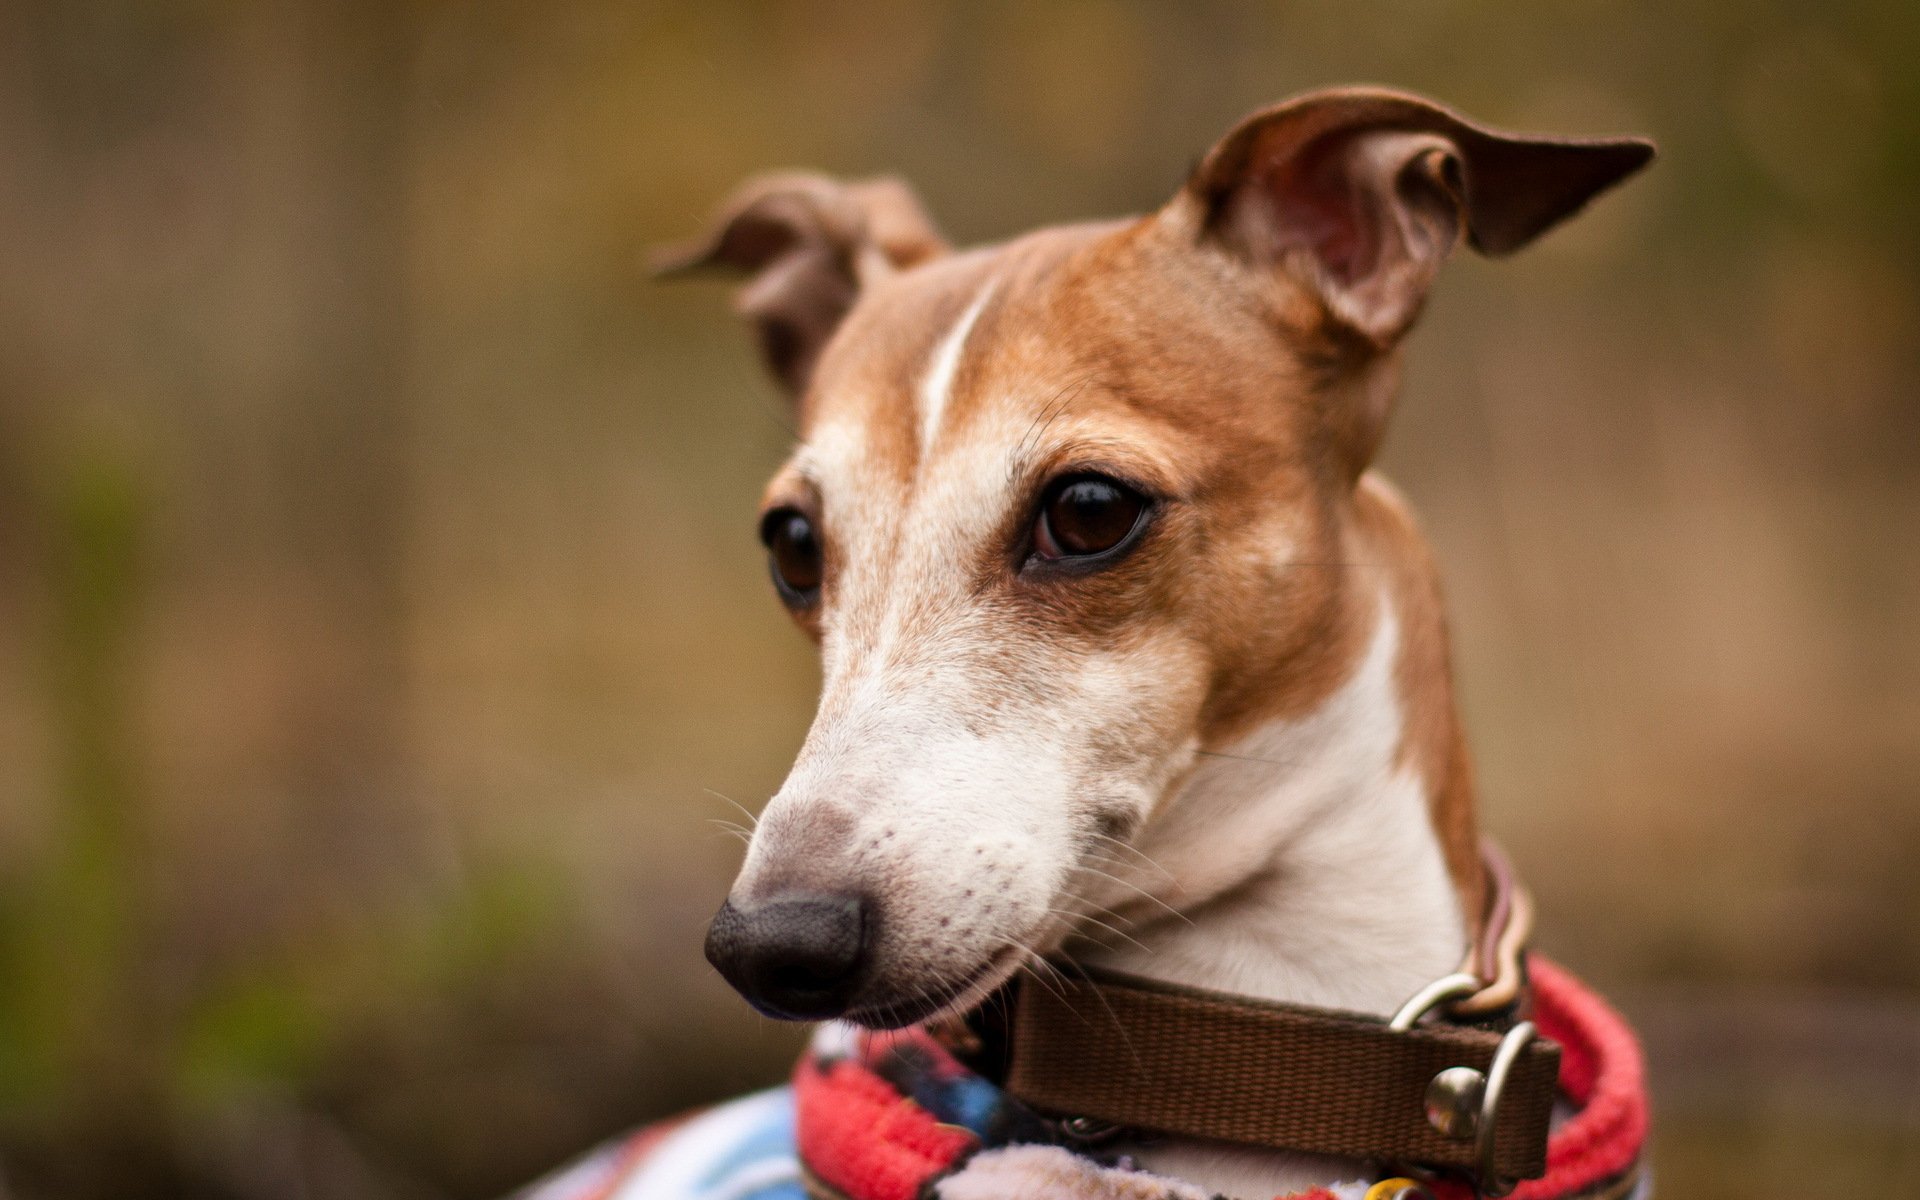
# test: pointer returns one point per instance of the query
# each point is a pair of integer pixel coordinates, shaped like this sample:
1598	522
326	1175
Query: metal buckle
1461	1102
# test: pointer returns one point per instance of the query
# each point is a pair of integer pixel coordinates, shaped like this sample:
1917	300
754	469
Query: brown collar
1469	1093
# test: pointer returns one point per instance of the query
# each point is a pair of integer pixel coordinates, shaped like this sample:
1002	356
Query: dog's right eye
793	552
1085	517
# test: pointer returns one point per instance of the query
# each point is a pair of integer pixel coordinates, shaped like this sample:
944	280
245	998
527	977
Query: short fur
1231	758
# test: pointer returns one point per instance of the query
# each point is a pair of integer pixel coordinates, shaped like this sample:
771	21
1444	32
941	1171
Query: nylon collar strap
1114	1050
1142	1055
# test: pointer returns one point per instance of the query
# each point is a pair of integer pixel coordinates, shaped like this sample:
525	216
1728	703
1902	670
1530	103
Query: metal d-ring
1432	996
1511	1047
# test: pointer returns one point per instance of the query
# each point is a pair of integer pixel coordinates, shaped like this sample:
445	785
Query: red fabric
1602	1071
864	1138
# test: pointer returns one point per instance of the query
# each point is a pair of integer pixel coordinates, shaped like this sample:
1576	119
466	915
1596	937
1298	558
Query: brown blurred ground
380	616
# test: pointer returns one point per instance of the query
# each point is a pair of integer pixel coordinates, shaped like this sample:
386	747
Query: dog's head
1070	510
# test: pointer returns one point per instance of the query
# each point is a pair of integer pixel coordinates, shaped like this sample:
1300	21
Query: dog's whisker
1087	905
753	820
1113	1017
1129	922
1143	893
731	829
1033	952
1052	981
1145	858
1088	864
1028	968
1093	920
1088	937
1031	964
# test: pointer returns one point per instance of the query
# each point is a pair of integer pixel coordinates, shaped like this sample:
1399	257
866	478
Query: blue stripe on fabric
757	1149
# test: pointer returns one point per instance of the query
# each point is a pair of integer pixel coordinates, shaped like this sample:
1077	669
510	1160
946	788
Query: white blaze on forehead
945	364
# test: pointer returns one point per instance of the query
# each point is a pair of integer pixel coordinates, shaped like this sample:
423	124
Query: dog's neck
1310	862
1317	879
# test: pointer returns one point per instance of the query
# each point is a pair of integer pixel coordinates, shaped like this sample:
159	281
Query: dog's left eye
793	551
1085	515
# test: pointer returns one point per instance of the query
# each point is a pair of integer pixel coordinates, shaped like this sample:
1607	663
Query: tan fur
1435	743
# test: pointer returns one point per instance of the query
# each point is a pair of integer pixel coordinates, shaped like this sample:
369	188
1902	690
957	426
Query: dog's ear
1360	194
809	244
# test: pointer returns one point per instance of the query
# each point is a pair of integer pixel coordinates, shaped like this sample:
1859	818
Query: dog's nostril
799	977
799	957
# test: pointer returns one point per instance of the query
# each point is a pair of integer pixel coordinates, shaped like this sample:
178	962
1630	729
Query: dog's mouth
881	1008
941	999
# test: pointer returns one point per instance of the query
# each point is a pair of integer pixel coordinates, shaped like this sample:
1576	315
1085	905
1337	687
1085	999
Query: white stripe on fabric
675	1170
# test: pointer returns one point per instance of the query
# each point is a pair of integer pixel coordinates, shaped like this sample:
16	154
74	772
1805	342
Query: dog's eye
1084	515
793	551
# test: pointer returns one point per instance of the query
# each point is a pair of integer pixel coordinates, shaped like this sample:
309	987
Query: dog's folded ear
809	244
1360	194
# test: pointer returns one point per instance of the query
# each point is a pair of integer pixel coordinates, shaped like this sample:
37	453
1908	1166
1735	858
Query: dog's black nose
796	957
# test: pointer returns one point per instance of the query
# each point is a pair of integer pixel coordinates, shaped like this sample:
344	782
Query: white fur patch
1309	856
937	387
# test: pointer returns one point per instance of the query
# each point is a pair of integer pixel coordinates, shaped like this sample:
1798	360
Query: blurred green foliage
68	936
380	616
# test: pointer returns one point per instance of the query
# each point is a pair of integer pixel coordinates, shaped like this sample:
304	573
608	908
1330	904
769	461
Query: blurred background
382	627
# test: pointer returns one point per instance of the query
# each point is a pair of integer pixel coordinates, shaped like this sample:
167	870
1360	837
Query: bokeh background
382	629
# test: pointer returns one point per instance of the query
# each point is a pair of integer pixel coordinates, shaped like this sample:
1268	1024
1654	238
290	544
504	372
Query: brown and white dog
1127	653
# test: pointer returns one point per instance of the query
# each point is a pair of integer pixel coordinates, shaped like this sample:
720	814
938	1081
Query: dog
1128	653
